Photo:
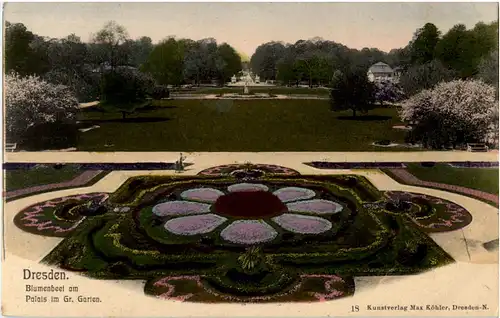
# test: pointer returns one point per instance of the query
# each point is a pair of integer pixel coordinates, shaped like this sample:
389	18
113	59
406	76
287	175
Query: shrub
31	101
125	86
160	92
452	113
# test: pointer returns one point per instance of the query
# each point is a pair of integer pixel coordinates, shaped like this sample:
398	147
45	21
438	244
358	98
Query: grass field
247	125
25	178
483	179
257	89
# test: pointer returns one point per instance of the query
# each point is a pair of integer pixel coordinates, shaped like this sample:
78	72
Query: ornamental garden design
245	233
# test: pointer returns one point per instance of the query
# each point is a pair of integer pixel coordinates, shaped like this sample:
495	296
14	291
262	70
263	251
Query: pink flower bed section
172	208
194	224
240	187
315	206
249	232
293	194
202	194
303	224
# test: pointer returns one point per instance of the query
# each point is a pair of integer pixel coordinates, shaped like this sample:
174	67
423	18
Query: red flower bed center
250	205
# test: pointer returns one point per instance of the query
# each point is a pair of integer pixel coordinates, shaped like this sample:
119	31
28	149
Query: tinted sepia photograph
237	159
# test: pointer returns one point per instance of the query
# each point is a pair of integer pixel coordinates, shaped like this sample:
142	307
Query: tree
139	50
488	69
265	60
451	113
424	43
67	58
420	77
353	91
166	62
388	92
109	40
31	101
228	62
125	90
200	60
23	51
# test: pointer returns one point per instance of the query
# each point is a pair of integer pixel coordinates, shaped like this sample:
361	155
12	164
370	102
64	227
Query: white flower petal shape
293	194
317	206
172	208
194	224
249	232
303	224
202	194
247	187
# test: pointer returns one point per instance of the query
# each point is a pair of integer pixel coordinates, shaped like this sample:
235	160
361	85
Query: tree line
459	53
80	66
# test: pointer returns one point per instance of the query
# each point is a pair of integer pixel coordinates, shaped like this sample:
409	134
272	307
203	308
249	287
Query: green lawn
484	179
19	179
257	89
246	125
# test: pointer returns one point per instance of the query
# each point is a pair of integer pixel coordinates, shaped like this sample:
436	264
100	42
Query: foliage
160	92
125	85
265	60
423	45
251	258
31	101
124	89
23	52
166	62
462	50
353	92
109	41
388	91
452	113
426	76
488	69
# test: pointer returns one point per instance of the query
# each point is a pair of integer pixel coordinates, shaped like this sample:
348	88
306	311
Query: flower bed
323	231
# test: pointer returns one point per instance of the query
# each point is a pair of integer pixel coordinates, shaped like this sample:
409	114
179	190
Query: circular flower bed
230	170
248	212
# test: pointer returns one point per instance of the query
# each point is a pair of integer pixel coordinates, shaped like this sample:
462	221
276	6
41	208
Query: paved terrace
210	159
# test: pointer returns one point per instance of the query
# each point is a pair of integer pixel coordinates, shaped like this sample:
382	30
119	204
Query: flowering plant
32	101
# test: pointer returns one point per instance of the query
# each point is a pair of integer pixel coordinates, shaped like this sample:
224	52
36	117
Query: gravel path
409	178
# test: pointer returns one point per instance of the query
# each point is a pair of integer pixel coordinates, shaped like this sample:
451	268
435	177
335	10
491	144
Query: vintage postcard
250	159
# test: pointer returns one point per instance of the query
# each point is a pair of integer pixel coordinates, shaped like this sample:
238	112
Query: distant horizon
245	26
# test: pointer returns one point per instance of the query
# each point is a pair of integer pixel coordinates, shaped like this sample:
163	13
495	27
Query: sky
247	25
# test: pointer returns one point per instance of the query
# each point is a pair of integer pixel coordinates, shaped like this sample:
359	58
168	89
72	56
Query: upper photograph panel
250	77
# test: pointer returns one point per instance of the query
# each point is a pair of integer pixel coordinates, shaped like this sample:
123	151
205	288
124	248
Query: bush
31	102
52	135
452	113
160	92
412	254
125	86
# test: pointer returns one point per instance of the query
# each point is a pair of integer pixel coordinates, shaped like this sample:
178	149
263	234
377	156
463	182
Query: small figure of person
179	164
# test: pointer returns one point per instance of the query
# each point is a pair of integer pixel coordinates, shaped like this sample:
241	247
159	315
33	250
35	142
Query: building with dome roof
380	72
